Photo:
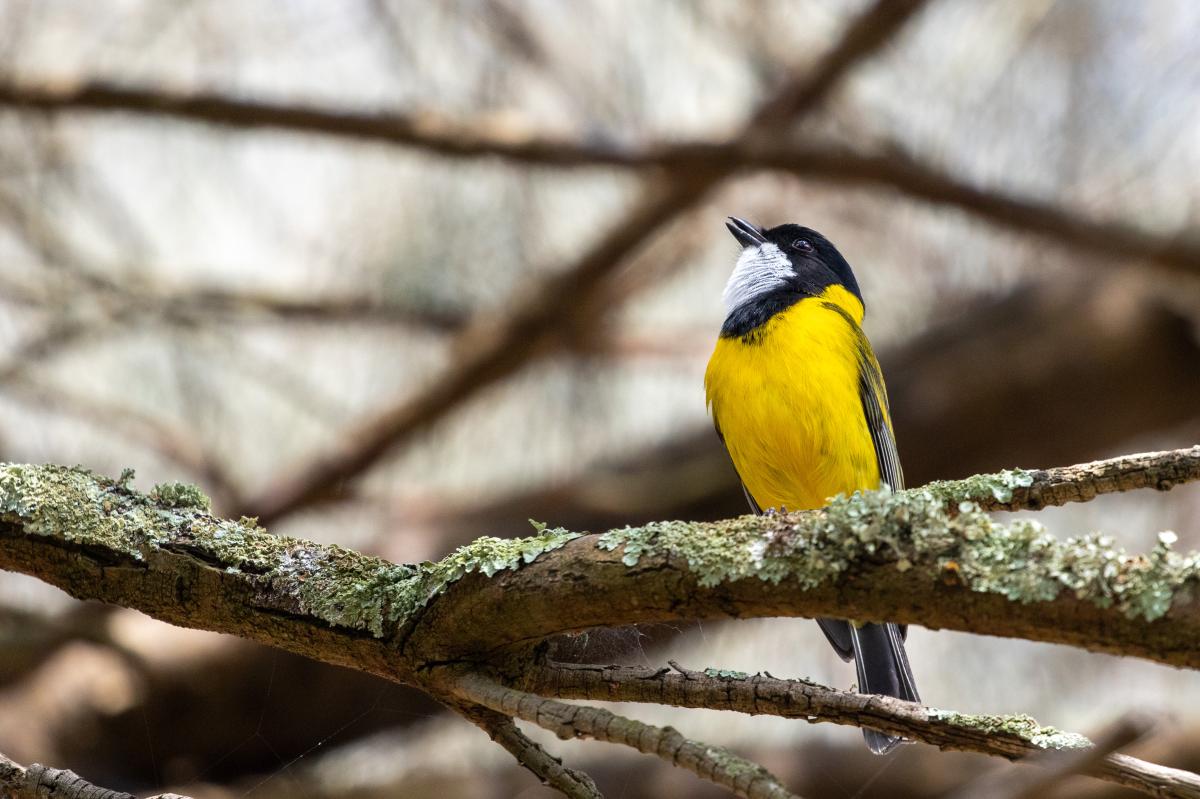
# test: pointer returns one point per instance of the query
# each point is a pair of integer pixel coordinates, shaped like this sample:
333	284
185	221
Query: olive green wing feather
879	420
873	396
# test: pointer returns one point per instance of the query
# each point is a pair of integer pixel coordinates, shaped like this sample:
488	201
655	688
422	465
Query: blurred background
237	306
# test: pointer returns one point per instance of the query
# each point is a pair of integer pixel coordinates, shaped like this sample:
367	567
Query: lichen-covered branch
41	782
925	556
1010	737
909	557
165	555
905	557
1055	766
717	764
1021	489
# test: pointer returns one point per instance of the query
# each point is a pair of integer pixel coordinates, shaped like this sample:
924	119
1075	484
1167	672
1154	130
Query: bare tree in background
520	296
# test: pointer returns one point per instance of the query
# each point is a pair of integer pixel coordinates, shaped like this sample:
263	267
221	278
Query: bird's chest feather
786	401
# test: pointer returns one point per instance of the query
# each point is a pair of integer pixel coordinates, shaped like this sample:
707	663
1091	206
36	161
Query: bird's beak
746	234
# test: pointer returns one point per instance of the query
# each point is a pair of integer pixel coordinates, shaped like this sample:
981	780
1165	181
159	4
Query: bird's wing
871	392
879	421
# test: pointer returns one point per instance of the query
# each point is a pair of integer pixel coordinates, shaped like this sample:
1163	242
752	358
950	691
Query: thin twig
745	778
41	782
547	768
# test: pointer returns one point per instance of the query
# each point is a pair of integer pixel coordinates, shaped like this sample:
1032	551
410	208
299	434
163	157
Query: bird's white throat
759	270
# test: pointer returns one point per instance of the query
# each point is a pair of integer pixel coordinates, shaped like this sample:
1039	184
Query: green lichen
125	480
336	585
963	545
349	589
727	674
106	519
1019	726
999	486
180	495
487	555
73	504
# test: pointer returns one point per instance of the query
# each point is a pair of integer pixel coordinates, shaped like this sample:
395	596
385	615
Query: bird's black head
778	267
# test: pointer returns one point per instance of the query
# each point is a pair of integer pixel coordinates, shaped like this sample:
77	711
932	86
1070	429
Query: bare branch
495	346
743	777
1149	778
1107	237
1010	737
865	36
714	160
547	768
428	131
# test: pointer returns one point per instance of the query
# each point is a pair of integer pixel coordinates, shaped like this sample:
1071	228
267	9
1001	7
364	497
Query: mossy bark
913	557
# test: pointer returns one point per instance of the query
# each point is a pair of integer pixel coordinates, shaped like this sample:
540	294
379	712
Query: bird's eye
803	245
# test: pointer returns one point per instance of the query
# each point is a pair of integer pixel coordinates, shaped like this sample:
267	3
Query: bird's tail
882	668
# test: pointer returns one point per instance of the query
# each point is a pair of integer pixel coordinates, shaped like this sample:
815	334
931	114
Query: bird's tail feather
882	668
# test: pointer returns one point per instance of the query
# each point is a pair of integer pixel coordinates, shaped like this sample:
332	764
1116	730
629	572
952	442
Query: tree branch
547	768
908	558
41	782
717	764
1020	489
1057	765
904	557
501	137
1009	737
432	132
920	556
715	160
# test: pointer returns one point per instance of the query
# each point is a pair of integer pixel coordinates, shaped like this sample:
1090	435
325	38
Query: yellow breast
786	400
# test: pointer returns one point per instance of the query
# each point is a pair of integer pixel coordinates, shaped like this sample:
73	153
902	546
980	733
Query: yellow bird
798	399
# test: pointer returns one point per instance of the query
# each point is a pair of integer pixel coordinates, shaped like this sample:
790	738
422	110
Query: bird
798	399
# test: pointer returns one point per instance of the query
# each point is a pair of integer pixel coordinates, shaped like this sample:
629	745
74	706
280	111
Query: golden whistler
799	401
